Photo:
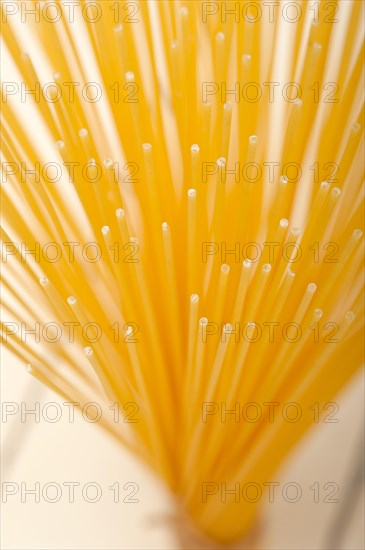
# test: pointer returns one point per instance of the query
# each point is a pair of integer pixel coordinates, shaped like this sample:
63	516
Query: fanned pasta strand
220	281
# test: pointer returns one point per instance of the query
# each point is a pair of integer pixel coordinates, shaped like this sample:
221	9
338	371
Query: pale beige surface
79	452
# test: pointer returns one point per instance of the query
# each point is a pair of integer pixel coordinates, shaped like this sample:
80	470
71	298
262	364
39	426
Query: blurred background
326	468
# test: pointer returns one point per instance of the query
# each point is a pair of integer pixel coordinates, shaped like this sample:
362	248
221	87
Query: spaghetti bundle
181	228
